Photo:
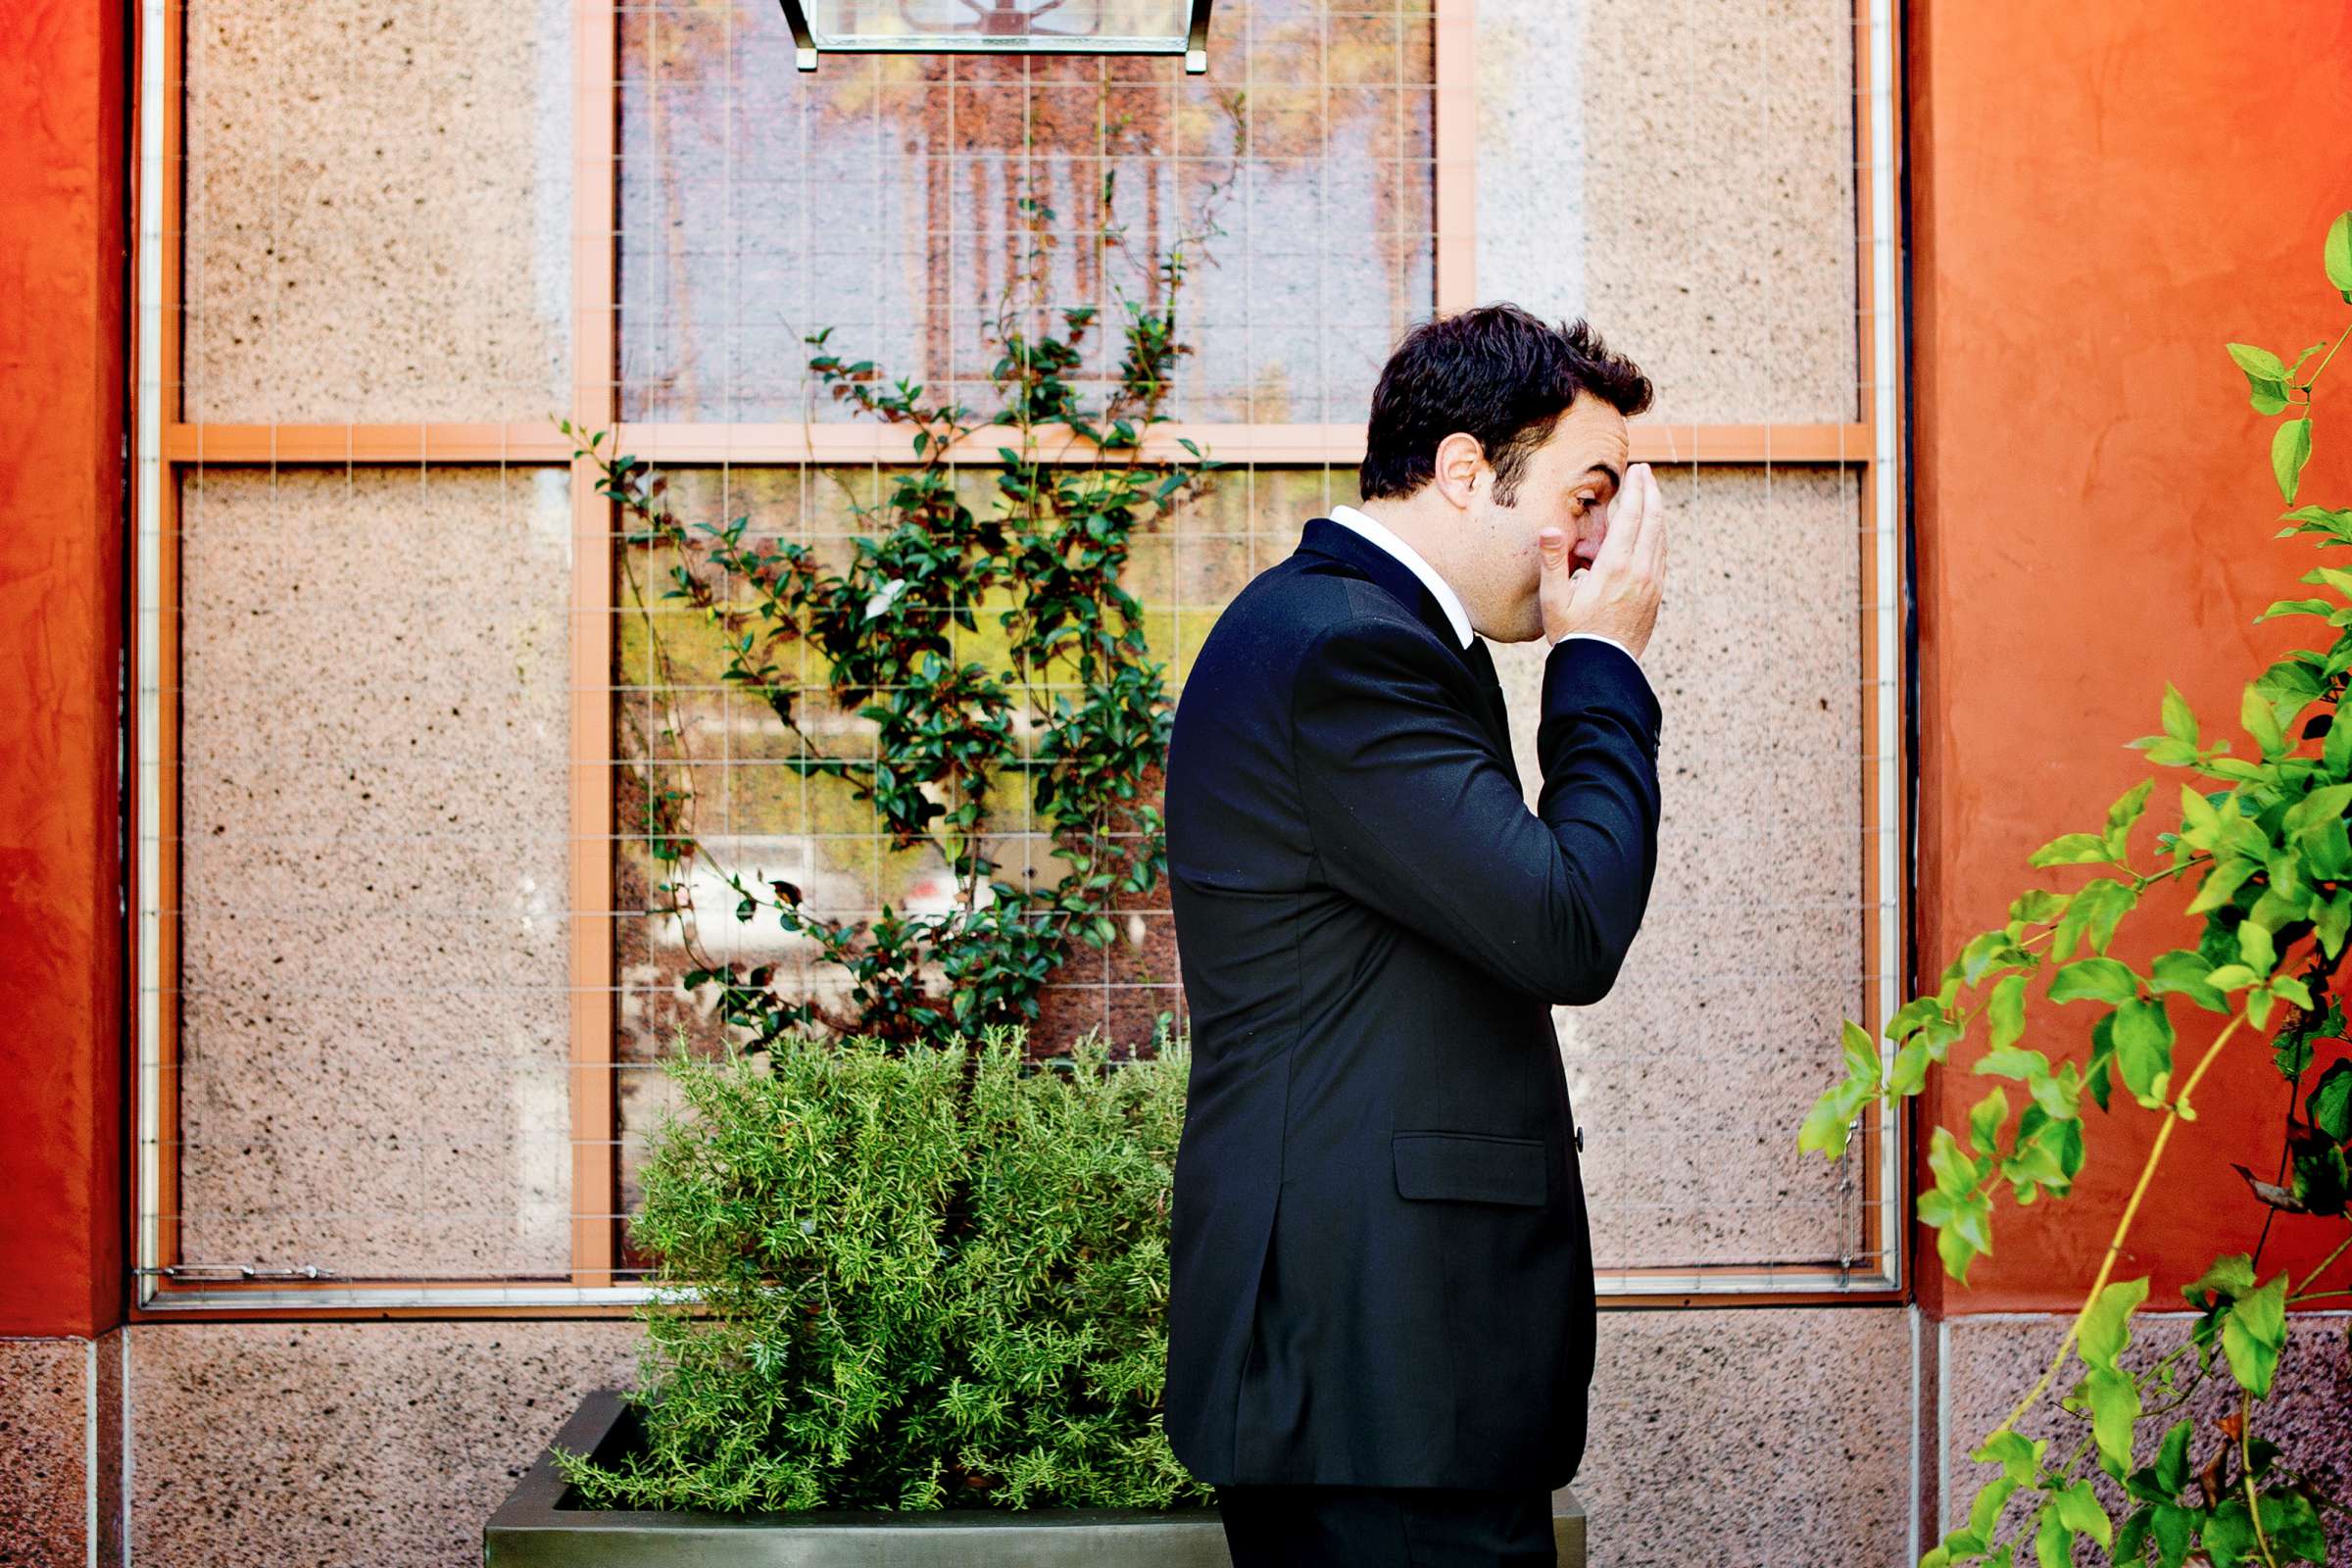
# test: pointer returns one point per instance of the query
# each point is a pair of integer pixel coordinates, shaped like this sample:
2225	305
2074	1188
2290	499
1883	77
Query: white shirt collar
1388	540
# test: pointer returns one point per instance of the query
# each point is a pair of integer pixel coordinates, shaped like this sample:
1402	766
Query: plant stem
2326	1263
2245	1472
2123	1226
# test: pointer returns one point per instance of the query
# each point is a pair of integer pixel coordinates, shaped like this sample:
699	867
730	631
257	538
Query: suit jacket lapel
1328	537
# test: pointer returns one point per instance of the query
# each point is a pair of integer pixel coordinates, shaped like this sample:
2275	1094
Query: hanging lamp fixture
999	27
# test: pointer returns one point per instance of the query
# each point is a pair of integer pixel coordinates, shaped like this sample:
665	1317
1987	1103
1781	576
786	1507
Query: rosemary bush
915	1278
2271	861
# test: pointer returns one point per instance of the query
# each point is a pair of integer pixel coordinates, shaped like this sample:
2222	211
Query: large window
404	983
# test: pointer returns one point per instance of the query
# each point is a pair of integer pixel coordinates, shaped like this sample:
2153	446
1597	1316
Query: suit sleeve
1412	812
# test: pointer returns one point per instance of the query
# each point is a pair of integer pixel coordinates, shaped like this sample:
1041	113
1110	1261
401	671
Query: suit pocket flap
1480	1167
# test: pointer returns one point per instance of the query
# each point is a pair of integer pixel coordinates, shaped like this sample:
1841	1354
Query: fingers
1629	511
1650	557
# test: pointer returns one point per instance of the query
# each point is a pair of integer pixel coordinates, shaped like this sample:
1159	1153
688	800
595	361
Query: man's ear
1460	463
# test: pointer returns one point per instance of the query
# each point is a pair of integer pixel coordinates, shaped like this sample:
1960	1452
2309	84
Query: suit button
1580	1139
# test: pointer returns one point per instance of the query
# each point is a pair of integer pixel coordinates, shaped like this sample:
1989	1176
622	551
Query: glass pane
880	197
375	841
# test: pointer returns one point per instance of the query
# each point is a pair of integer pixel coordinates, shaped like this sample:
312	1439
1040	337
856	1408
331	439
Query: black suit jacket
1380	1267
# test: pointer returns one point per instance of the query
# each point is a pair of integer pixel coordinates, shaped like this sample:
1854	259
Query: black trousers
1387	1527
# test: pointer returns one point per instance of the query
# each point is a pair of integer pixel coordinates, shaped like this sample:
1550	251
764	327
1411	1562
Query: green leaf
2221	883
2107	1326
2097	979
2182	972
1984	1513
2252	1335
2080	1510
2114	1408
2071	849
2226	1277
2336	254
2255	950
2257	361
2006	1011
2173	1527
1984	1120
2099	904
2143	1050
2290	448
2053	1541
2261	720
2172	1455
2329	1108
1956	1172
2228	1537
2018	1459
2179	721
2292	1523
2123	812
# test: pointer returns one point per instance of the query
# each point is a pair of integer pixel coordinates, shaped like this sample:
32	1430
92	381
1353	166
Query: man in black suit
1381	1316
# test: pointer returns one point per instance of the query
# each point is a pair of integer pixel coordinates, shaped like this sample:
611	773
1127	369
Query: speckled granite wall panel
1750	1436
378	211
375	743
364	1445
1692	1077
1684	176
44	1444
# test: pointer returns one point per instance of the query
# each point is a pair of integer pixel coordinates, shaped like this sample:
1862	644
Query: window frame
1869	446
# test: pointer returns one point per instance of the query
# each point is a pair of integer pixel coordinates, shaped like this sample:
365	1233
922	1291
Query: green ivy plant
2264	839
1074	483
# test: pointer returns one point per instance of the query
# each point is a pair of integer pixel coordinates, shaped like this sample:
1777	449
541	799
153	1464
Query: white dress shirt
1388	539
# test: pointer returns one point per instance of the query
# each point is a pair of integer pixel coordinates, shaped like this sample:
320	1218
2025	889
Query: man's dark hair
1495	372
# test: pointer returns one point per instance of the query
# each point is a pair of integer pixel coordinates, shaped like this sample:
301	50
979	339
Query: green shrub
918	1279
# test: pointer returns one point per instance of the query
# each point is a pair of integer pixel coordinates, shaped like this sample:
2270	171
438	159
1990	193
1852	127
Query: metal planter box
542	1525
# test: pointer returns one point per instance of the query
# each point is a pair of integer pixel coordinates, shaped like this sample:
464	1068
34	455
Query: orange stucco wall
64	377
2103	196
